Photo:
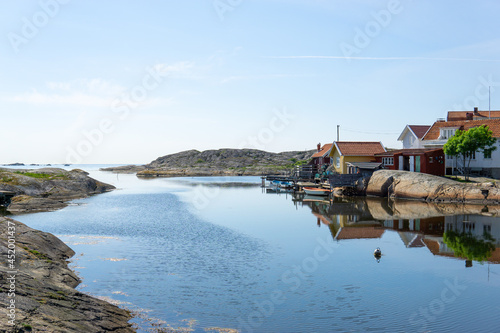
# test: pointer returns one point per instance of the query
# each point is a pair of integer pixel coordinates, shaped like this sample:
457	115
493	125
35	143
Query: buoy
377	254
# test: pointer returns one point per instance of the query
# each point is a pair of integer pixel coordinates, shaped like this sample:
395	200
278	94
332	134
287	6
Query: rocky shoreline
47	189
36	285
429	188
221	162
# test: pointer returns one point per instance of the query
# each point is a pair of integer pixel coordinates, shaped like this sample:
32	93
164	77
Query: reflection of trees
467	246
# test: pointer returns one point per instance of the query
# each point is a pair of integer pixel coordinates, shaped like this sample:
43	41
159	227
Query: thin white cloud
383	58
71	99
261	77
180	68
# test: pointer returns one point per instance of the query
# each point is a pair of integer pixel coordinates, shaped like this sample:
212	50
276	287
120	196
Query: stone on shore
420	186
47	189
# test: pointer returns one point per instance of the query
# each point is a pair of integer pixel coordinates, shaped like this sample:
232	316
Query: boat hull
316	191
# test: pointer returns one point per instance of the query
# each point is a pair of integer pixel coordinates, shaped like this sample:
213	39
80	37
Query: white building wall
410	141
479	162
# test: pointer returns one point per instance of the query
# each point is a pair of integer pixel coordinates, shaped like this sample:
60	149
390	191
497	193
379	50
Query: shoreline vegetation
37	283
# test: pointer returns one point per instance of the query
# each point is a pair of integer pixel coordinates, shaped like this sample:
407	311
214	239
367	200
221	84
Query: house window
388	160
471	155
338	162
446	133
431	159
487	154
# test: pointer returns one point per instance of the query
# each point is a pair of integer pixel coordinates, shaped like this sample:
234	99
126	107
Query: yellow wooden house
345	154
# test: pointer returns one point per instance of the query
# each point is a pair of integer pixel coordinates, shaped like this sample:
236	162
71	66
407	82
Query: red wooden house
429	161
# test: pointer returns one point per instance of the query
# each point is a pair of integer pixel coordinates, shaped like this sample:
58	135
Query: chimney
469	116
319	146
476	112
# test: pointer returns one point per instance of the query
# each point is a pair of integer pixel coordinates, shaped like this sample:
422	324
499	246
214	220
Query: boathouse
429	161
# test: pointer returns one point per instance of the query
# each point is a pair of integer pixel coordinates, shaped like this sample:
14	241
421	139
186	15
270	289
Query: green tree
467	143
450	148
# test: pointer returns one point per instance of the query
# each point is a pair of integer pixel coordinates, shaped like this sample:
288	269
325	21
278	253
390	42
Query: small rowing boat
316	191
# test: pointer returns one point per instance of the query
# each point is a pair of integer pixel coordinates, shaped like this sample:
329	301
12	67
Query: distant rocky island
220	162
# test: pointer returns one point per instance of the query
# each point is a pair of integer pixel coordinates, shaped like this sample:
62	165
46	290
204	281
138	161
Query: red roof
324	151
359	148
434	131
419	130
462	115
411	151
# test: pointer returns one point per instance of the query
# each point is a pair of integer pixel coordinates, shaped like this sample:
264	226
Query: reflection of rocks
411	209
45	297
414	185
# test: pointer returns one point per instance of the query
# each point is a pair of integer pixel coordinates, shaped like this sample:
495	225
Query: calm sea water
201	253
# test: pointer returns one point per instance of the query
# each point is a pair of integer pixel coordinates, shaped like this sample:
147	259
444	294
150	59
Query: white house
441	131
412	135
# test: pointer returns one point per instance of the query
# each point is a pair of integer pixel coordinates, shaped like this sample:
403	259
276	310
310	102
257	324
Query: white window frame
446	132
388	160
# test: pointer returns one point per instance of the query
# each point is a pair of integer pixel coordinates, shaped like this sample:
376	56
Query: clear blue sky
144	79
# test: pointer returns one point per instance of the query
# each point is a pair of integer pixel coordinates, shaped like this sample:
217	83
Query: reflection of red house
359	233
322	157
429	161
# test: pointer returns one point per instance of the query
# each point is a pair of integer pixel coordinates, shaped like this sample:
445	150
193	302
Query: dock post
263	181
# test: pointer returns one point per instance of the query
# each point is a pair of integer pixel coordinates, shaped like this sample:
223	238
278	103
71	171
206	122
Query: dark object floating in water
377	254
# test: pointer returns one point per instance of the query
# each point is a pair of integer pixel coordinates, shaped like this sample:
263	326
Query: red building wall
431	162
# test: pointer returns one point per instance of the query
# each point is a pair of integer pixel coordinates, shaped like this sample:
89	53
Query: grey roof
366	165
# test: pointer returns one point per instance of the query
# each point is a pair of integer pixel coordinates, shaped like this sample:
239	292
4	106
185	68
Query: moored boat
316	191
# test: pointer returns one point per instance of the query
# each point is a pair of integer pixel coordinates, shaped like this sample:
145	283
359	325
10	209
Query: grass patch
6	179
460	180
56	296
38	254
36	175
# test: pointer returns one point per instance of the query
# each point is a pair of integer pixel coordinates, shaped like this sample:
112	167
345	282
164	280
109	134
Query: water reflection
468	232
